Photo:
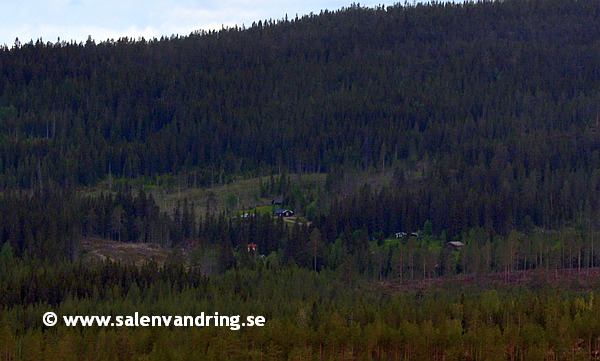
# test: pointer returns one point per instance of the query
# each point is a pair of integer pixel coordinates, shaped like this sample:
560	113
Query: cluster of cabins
455	245
281	212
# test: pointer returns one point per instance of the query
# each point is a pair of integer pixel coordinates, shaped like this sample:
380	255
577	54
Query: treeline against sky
488	111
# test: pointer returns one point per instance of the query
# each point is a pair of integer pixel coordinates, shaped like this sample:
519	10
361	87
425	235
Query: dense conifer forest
459	143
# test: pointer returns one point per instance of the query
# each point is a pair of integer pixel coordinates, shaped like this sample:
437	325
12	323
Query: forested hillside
442	162
487	112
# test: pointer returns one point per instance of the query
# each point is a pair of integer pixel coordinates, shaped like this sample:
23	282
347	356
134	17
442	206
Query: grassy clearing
261	210
391	242
242	196
238	197
295	219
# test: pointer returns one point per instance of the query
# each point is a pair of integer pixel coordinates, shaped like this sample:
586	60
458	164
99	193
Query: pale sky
110	19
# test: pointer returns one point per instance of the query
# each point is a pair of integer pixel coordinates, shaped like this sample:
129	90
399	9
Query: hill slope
497	101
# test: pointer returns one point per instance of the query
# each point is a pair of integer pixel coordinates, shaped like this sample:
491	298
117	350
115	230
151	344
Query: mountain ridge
499	97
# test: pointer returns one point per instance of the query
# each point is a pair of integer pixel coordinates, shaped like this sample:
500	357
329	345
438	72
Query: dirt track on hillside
137	253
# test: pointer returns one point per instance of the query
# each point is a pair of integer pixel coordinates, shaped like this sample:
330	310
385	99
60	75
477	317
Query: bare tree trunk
401	265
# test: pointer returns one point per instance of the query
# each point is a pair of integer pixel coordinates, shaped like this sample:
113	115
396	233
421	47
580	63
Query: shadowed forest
442	162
